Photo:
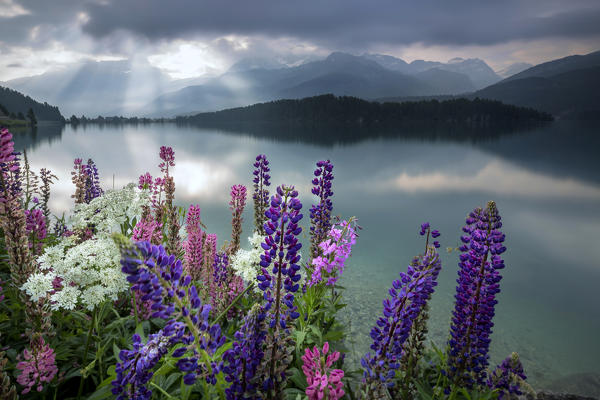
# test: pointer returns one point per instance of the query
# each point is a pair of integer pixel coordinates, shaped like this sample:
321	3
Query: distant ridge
332	110
16	102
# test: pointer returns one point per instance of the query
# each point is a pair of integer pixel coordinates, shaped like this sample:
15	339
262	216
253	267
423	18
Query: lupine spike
478	285
320	213
261	192
408	297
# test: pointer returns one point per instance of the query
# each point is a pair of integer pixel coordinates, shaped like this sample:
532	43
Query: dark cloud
14	65
352	22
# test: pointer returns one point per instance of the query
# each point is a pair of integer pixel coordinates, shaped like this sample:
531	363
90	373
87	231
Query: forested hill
15	102
331	110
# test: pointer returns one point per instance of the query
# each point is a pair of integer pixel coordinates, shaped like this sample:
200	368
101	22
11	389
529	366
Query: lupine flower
47	178
173	239
160	279
79	177
167	155
261	192
320	214
243	359
37	365
478	283
335	251
135	369
323	382
281	250
92	181
7	146
408	297
508	377
36	229
236	205
209	250
192	245
147	229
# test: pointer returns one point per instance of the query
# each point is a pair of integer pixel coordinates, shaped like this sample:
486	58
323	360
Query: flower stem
87	347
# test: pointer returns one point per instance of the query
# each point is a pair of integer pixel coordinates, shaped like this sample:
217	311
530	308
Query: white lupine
90	271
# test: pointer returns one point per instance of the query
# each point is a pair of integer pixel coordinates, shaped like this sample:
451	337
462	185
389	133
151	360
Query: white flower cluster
245	262
110	210
90	271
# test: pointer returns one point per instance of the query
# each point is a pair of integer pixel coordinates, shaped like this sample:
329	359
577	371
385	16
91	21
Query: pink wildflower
323	382
38	365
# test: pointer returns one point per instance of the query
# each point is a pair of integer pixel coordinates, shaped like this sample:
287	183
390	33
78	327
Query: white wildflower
245	263
90	271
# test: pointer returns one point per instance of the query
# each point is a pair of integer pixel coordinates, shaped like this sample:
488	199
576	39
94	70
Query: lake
545	181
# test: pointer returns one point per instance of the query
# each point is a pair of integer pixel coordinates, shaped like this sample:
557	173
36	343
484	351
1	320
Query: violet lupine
244	358
335	250
323	382
236	205
478	284
37	365
92	181
159	278
36	229
219	282
408	297
281	247
320	214
135	369
261	191
192	245
508	377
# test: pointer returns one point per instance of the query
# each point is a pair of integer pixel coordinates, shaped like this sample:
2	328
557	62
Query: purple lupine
159	278
92	181
192	245
320	214
281	247
261	191
508	377
167	155
236	205
408	297
478	284
135	369
243	359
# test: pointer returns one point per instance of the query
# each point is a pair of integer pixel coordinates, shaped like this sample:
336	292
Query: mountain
570	94
513	69
567	87
480	74
15	102
446	82
93	88
339	73
560	65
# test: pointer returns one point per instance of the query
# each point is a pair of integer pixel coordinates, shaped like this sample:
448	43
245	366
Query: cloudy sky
188	38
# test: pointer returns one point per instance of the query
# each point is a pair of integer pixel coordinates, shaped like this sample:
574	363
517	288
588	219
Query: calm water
546	183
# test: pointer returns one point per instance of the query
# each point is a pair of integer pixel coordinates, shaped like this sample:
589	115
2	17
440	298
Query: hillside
329	109
16	102
572	94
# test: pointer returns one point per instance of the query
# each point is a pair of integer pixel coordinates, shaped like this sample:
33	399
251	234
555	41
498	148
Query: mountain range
563	87
120	87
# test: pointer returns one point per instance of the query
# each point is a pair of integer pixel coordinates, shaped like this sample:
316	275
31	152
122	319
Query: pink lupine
193	256
37	366
148	229
324	383
236	205
36	229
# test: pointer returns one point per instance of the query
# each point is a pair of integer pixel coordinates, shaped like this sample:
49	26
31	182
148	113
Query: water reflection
544	181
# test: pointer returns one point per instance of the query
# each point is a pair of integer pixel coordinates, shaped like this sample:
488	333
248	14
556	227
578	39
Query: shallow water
545	182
